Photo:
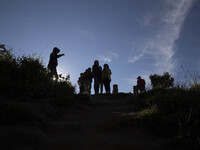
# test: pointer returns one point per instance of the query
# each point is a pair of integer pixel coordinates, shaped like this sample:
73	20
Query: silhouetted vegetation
27	77
29	100
161	81
172	113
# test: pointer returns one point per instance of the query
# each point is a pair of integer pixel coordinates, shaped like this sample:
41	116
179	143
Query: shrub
176	114
161	81
27	76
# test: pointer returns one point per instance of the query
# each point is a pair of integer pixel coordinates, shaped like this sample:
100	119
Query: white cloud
112	54
105	58
137	57
161	46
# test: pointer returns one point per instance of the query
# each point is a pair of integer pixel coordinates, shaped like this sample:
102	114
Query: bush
172	113
161	81
27	76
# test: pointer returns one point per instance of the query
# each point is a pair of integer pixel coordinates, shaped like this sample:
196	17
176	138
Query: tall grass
172	113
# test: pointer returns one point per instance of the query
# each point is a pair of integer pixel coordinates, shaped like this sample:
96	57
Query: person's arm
60	55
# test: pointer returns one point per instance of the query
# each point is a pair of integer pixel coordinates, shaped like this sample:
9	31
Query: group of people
102	77
85	81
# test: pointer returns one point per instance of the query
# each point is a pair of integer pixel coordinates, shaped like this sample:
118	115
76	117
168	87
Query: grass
172	113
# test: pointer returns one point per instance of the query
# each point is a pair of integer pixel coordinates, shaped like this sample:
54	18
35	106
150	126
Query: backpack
143	83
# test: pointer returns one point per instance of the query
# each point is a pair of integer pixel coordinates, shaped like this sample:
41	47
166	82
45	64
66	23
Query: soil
106	124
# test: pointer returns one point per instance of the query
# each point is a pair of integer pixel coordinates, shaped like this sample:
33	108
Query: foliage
195	87
172	113
148	111
161	81
27	77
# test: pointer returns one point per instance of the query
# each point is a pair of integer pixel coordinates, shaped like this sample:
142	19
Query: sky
134	37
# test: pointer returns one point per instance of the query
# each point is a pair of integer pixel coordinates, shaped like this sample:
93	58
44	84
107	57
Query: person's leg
90	87
54	72
81	89
135	90
104	84
107	86
101	87
142	90
96	85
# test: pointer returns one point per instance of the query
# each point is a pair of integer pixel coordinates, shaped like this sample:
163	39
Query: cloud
136	58
105	59
112	54
161	47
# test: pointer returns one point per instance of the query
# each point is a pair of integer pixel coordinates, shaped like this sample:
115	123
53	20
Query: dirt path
100	127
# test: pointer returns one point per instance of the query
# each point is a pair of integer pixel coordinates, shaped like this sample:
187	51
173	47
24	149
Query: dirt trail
100	127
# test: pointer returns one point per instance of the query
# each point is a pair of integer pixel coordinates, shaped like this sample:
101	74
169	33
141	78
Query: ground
102	125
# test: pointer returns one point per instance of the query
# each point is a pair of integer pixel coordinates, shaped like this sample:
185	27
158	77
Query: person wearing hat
140	84
53	62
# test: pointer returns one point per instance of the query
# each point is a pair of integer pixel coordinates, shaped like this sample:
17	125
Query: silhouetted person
106	77
97	76
88	75
81	83
140	85
101	81
53	62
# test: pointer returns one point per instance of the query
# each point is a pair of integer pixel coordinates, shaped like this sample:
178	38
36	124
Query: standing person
101	82
53	62
81	83
97	76
88	75
106	77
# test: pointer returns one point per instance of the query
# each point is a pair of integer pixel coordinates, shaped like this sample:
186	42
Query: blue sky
135	37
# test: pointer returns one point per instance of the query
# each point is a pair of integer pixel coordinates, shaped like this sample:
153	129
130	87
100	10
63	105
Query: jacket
106	74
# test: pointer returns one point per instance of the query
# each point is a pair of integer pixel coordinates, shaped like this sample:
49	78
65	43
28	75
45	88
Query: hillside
39	113
106	124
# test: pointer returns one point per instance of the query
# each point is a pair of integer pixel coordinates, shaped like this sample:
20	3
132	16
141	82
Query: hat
138	77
